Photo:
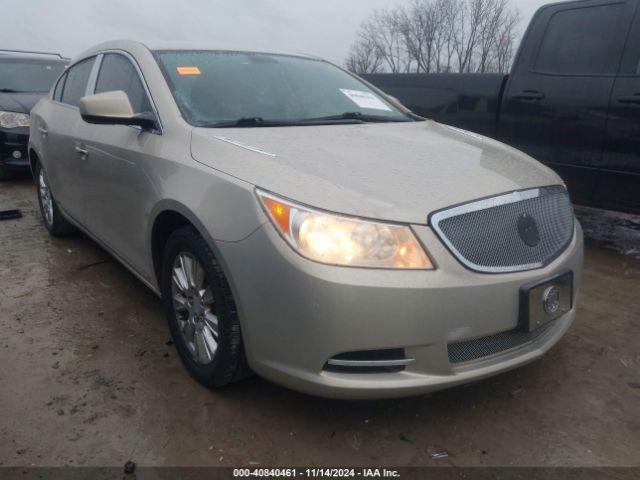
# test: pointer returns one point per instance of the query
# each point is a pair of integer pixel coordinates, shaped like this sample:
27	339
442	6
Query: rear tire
53	220
201	311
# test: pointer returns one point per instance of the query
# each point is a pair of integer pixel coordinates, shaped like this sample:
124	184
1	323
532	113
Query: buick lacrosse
299	223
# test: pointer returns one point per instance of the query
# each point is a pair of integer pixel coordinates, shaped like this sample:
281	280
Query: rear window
28	75
582	41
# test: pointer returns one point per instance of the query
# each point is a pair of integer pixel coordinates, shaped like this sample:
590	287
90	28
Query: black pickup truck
571	101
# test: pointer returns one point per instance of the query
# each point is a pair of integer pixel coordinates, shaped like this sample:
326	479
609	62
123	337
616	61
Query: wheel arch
169	216
34	159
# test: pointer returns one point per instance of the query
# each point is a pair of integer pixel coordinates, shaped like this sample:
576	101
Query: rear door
619	178
556	103
120	192
64	163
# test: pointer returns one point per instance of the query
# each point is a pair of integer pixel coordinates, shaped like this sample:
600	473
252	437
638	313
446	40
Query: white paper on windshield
365	99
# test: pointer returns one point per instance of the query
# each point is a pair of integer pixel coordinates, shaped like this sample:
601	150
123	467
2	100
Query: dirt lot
88	378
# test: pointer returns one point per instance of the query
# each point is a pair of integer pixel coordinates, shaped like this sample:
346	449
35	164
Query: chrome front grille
510	233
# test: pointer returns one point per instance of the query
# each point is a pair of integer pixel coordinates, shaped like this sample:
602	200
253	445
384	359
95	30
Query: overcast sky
320	27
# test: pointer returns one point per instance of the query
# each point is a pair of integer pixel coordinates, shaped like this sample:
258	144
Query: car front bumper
297	314
13	148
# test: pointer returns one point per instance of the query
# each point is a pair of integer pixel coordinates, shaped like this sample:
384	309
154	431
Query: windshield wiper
251	122
344	118
10	90
359	116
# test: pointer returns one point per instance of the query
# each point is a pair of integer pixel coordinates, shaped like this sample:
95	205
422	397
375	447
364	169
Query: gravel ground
90	378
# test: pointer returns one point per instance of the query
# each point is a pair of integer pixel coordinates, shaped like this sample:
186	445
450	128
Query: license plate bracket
546	301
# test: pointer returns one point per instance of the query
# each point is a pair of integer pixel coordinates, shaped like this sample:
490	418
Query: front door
120	191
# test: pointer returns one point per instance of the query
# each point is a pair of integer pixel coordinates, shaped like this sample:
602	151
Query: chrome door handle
43	131
82	152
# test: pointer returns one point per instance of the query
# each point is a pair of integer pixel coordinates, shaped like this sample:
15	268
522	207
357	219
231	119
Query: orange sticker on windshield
188	70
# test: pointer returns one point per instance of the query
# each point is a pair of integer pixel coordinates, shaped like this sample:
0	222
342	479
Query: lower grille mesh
478	348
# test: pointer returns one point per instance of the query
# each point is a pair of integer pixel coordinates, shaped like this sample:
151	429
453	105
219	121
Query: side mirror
114	108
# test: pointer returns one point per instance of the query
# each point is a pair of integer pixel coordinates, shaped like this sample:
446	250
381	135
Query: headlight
14	120
338	240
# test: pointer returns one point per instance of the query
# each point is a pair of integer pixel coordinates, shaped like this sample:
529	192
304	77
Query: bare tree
419	26
438	36
382	30
467	33
451	15
506	38
364	57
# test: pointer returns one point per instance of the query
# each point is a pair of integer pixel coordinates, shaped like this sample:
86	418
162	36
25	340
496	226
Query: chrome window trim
64	74
93	76
134	62
484	204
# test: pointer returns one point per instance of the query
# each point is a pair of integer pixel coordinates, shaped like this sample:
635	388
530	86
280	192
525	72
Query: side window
583	41
75	86
57	93
118	73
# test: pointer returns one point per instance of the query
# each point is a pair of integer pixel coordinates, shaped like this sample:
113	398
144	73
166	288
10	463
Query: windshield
28	75
216	89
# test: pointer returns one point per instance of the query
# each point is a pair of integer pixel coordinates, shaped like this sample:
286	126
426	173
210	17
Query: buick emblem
528	230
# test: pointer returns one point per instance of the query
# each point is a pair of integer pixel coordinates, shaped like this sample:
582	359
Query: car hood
19	102
389	171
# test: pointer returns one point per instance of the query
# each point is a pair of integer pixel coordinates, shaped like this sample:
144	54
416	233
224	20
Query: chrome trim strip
244	145
484	204
93	76
371	363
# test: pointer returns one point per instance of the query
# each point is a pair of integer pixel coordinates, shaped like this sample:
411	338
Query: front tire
201	311
54	221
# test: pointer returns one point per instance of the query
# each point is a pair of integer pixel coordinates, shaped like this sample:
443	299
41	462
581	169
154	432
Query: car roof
160	45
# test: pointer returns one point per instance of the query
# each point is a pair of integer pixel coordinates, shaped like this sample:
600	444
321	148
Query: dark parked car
25	77
571	101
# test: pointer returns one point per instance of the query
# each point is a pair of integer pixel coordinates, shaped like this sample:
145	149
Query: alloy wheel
194	308
46	200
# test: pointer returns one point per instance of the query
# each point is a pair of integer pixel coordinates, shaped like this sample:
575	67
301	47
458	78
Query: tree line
438	36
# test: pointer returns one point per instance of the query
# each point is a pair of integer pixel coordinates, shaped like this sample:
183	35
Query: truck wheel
201	311
56	224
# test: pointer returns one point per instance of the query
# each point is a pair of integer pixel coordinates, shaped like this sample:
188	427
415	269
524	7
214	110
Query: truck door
556	102
619	177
